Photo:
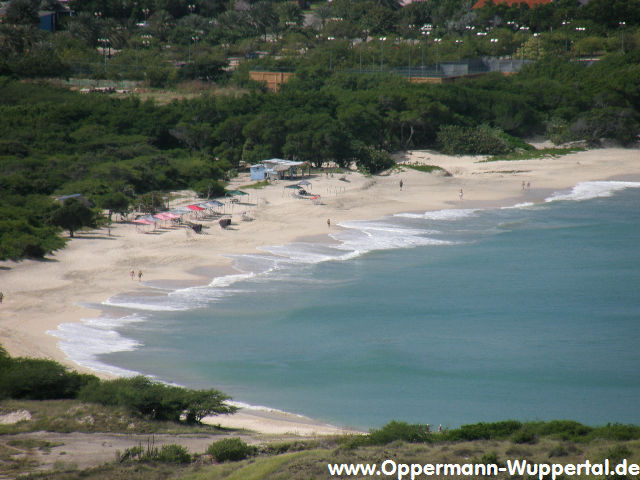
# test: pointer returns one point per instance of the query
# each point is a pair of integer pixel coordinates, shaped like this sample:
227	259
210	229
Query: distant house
48	21
275	169
257	172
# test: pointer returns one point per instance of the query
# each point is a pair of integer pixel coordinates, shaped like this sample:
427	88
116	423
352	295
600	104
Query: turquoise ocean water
448	317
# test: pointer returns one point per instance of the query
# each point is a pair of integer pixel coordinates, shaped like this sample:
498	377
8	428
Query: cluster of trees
36	379
116	151
166	41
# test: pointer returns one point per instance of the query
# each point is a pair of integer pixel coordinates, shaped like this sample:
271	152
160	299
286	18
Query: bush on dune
156	400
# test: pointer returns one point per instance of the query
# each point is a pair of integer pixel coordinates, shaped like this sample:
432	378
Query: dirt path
86	450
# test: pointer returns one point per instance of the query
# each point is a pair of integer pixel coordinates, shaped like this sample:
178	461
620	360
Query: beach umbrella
212	203
170	215
180	211
235	193
195	208
293	186
143	221
304	182
163	216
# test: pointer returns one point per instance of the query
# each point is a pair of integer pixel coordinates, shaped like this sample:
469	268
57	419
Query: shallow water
447	317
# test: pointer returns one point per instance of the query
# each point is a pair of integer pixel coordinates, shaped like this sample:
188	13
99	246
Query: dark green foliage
524	436
230	450
373	161
394	430
115	202
564	429
173	454
36	379
616	431
484	431
72	215
156	400
481	140
208	188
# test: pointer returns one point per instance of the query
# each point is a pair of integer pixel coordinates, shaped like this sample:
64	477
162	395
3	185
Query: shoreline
70	287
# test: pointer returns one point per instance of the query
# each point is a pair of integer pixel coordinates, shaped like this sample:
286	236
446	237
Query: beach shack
257	171
277	168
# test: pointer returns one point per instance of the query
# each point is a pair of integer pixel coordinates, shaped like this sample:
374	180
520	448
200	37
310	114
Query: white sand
40	295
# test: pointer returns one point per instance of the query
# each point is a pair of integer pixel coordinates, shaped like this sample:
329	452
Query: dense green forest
119	151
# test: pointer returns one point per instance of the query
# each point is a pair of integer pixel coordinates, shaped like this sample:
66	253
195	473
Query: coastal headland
95	265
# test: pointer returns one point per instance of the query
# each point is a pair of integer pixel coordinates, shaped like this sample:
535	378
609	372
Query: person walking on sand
329	222
132	274
139	275
461	194
401	183
523	185
1	297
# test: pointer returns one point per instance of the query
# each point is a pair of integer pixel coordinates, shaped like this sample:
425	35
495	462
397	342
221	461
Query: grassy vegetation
75	416
533	154
427	168
540	442
255	185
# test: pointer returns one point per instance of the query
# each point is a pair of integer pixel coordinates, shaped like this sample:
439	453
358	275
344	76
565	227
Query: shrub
617	454
617	431
36	379
481	140
158	401
230	449
489	458
564	429
398	431
208	188
173	454
524	436
373	161
484	431
558	451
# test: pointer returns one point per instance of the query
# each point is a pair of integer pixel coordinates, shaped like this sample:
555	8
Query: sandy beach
40	295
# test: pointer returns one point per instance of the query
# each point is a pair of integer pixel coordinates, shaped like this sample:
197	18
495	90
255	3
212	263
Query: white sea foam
361	237
305	253
228	280
519	205
588	190
262	408
139	304
446	214
82	342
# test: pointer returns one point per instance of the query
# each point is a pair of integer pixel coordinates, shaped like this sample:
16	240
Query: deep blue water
447	317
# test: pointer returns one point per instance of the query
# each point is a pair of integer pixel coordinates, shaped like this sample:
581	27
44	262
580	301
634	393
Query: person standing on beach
461	194
401	183
329	222
139	275
1	297
132	274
